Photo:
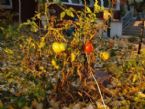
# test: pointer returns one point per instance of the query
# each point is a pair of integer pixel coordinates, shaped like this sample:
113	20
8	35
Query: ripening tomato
104	56
88	47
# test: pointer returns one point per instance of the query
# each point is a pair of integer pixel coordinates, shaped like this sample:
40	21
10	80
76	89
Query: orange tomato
88	47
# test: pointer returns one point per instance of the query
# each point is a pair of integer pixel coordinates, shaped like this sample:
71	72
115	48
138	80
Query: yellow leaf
97	8
57	67
101	106
73	56
32	44
1	104
34	27
41	68
134	78
53	62
106	15
9	51
69	13
38	15
42	42
140	94
29	40
143	51
62	15
88	10
102	8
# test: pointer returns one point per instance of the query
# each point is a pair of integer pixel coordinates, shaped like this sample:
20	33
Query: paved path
134	27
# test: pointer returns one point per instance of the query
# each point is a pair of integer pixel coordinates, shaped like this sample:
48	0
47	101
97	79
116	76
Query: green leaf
21	102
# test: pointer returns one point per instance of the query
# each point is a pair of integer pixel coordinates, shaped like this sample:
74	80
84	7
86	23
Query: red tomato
88	47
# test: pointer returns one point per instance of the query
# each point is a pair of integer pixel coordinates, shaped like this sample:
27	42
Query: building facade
27	8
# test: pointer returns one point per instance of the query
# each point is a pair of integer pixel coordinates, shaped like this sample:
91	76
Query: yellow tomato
62	46
58	47
104	56
55	47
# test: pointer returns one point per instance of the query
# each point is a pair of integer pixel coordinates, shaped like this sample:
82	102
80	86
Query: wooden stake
141	37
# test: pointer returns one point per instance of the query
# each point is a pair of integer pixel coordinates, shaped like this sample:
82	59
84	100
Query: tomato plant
66	64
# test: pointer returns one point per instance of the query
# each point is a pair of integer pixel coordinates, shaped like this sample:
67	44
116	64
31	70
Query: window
106	3
75	1
72	2
78	2
87	2
99	2
6	4
64	0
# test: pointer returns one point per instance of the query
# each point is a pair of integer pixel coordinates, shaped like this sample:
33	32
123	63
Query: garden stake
141	36
97	84
99	91
20	11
